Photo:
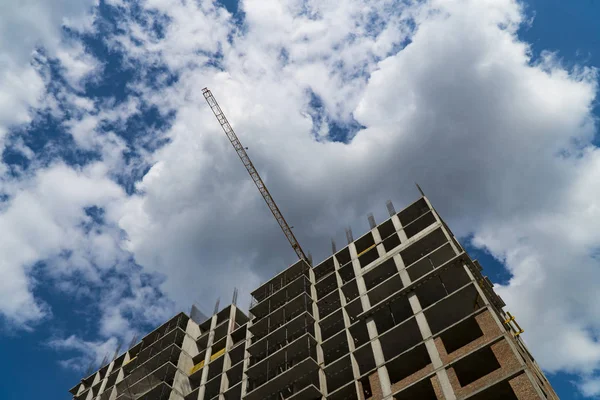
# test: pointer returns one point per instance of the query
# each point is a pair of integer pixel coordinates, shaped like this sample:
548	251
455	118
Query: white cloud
24	27
78	65
43	219
590	386
91	351
500	142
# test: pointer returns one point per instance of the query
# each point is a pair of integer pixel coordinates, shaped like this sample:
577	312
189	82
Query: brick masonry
417	376
490	331
376	392
437	387
509	364
523	387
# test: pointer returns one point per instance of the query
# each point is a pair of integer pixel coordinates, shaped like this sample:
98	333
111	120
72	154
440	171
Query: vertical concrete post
404	277
317	328
211	335
377	239
246	362
436	360
382	372
399	228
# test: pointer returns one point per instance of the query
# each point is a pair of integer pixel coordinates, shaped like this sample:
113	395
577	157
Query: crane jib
241	152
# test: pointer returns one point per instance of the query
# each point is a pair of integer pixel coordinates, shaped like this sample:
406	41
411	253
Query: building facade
400	313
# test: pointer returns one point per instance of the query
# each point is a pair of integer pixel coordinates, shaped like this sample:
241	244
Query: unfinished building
400	313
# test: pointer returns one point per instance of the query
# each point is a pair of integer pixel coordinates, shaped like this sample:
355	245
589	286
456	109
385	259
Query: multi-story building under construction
400	313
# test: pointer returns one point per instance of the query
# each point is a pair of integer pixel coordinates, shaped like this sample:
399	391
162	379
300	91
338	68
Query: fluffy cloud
42	220
448	96
24	28
88	351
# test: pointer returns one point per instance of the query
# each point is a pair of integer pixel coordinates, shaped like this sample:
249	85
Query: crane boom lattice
241	152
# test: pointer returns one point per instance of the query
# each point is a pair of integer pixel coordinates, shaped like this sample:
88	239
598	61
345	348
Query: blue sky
117	118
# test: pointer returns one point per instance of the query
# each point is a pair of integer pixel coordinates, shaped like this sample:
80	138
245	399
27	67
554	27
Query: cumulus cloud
24	28
88	351
448	96
42	220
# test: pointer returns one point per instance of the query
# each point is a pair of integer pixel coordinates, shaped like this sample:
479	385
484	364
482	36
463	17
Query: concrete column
351	347
377	239
228	345
315	309
382	373
204	379
436	360
246	361
398	226
360	281
402	270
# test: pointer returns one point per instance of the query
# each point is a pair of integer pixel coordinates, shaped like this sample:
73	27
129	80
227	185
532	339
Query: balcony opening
353	309
391	242
360	334
223	315
119	362
205	326
234	375
368	257
461	334
221	331
499	391
347	392
112	379
236	354
453	308
215	367
326	286
380	273
329	304
281	337
233	393
419	224
392	314
212	388
364	243
332	324
430	262
385	289
366	388
239	335
475	366
240	317
412	212
365	359
339	373
350	291
401	338
343	256
305	387
335	348
408	363
422	390
442	285
423	246
386	229
323	269
347	273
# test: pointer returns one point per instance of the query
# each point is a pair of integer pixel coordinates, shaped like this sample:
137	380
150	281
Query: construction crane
241	152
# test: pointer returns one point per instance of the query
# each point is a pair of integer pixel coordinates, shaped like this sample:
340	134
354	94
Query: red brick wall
523	387
412	378
509	364
490	330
